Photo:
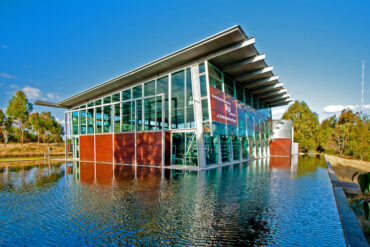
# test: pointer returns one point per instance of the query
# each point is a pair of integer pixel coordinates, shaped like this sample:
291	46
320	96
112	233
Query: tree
5	126
305	124
359	144
341	136
36	124
19	109
347	116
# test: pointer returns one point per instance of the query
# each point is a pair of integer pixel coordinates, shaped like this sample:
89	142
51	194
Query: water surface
265	202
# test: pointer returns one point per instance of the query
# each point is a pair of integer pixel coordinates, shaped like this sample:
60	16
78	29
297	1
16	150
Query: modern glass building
205	105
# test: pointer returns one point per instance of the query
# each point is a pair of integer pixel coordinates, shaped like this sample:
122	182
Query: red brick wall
87	148
149	148
124	148
281	147
104	148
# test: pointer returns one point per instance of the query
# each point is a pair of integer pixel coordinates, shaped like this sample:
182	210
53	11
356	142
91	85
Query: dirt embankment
345	168
30	150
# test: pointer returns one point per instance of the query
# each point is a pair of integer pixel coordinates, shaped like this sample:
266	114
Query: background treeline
346	135
19	124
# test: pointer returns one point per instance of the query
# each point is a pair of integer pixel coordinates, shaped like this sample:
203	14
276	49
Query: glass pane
203	85
190	123
149	114
115	97
215	83
126	94
126	116
239	92
229	86
83	122
90	104
137	92
107	119
225	148
75	122
139	115
178	148
159	113
90	121
191	152
149	88
162	88
98	120
178	100
211	148
205	109
83	106
202	68
98	102
117	113
236	148
214	72
107	100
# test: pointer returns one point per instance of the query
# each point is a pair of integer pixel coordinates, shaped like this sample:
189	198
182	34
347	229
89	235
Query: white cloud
13	86
339	108
4	46
52	96
32	92
62	122
8	76
278	111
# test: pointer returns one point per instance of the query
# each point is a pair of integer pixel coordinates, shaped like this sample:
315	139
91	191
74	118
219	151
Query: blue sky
54	49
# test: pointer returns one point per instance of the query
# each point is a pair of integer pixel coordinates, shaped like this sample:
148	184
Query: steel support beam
231	48
273	94
280	102
262	82
249	75
249	60
268	100
269	88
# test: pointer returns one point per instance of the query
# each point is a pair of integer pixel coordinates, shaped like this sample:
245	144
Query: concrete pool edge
351	228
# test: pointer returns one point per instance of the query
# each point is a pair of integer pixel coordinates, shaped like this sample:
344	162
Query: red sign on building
223	107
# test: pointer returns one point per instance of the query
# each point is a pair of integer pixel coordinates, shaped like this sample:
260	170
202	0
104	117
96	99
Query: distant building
204	105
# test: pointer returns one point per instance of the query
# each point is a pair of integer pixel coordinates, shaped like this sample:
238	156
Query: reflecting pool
275	202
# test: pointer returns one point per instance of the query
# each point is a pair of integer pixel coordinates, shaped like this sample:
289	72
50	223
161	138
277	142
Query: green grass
27	158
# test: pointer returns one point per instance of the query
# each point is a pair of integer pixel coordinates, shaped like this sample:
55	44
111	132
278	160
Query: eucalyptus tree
19	109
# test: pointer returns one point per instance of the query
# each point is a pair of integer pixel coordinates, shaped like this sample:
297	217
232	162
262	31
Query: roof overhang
230	50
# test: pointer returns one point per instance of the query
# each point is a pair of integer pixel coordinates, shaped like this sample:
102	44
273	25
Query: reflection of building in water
206	105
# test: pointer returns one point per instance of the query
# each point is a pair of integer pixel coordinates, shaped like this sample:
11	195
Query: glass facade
243	132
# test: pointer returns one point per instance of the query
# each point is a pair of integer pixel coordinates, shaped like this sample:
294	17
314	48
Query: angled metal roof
230	50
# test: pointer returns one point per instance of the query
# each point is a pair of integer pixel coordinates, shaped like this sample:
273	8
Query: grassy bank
345	168
27	150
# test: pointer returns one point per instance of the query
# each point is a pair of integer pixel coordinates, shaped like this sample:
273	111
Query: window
190	123
229	86
139	115
126	116
98	120
107	119
149	114
177	100
107	100
75	122
239	92
202	68
90	104
205	109
115	97
90	121
149	88
83	122
126	94
137	92
162	88
203	85
98	102
117	120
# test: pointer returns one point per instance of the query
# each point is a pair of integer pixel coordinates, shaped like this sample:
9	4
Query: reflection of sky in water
255	203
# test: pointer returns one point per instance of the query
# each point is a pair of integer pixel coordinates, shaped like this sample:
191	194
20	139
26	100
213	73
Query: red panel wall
149	148
281	147
87	172
124	148
104	148
87	148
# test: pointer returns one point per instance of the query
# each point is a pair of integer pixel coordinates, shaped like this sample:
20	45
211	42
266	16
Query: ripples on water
256	203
